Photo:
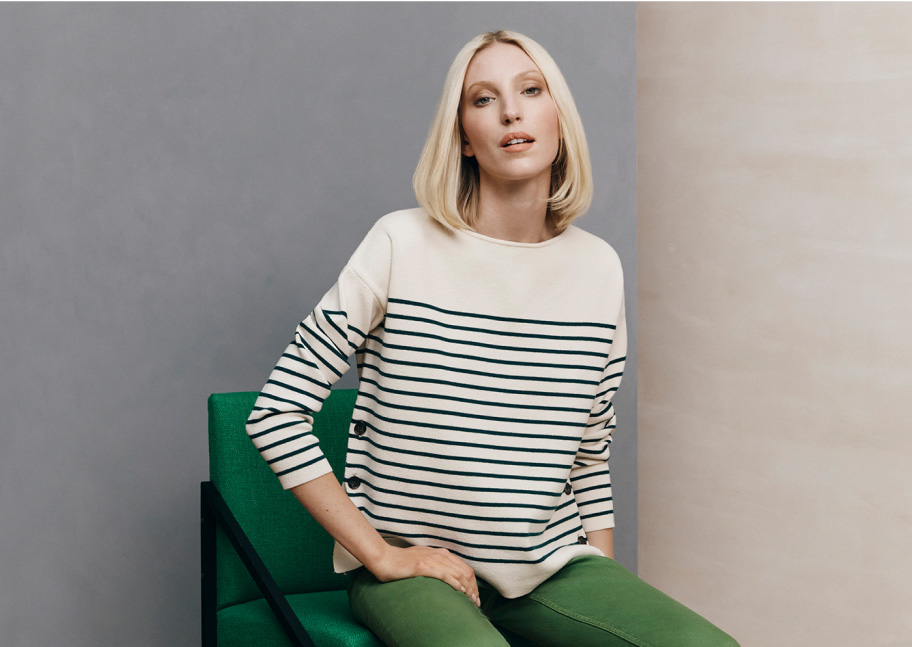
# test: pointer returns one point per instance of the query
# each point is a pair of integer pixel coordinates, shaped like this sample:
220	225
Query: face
508	116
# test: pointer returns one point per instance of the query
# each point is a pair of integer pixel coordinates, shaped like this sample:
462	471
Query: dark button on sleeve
360	427
582	540
568	489
354	482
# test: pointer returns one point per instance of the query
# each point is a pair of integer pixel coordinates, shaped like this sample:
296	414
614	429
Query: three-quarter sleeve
281	422
590	475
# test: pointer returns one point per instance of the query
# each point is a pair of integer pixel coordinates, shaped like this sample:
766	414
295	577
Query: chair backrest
294	547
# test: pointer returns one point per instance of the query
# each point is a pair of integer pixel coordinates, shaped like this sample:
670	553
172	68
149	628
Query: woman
491	336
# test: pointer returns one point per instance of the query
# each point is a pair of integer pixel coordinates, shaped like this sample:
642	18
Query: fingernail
463	589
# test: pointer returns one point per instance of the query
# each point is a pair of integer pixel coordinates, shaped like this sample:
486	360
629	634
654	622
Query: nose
511	112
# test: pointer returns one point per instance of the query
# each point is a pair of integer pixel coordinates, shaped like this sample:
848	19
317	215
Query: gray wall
179	184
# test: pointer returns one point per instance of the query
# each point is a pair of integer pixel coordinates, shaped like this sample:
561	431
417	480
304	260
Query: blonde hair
446	182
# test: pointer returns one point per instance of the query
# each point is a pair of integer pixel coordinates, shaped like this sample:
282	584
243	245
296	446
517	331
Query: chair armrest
215	511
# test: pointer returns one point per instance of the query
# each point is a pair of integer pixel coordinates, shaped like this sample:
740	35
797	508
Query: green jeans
593	601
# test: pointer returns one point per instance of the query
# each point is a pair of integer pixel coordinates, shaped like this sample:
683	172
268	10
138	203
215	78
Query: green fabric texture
294	547
326	617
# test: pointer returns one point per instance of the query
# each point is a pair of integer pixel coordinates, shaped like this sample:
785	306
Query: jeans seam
595	623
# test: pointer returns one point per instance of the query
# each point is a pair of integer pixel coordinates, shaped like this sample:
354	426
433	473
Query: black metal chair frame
214	512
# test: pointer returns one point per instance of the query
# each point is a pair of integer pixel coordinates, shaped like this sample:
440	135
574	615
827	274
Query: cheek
554	121
473	129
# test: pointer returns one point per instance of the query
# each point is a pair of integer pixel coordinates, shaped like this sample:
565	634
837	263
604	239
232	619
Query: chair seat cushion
326	617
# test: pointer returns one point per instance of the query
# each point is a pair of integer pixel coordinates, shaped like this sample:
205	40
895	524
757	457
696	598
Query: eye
531	91
482	101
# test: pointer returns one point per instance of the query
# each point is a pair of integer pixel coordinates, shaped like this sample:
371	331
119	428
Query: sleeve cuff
601	521
294	477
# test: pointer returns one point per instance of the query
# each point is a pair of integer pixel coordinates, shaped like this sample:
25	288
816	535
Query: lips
513	139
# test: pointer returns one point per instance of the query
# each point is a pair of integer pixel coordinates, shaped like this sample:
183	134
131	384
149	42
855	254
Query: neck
515	211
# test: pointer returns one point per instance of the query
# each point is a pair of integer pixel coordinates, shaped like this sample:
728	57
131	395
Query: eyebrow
518	76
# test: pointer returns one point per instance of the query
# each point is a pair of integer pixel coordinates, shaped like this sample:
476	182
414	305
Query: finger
442	569
449	579
466	575
462	572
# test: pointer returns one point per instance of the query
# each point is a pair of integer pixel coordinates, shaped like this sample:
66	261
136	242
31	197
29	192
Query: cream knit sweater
484	417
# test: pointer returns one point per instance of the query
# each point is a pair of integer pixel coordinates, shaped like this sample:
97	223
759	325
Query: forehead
499	62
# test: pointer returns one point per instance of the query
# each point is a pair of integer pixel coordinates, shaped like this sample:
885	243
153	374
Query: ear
467	149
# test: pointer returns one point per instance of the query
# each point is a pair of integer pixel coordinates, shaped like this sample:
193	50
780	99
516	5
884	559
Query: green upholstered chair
267	572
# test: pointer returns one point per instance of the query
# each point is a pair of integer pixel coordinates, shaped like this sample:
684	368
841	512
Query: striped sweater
483	419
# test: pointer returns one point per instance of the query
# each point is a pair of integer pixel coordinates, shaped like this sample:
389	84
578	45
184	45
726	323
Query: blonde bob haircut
446	182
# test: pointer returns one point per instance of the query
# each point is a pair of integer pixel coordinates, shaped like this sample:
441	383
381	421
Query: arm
603	540
590	476
281	423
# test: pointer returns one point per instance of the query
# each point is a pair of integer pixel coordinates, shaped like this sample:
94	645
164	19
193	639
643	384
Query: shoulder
595	250
390	232
407	230
404	220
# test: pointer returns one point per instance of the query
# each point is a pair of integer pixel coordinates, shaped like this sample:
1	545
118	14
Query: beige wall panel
775	292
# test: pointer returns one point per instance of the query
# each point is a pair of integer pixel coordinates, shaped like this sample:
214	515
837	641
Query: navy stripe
409	452
282	442
461	530
298	467
292	388
519	561
477	344
544	544
603	411
510	405
432	425
339	330
498	520
598	340
344	314
439	441
303	377
474	416
276	428
463	385
301	342
497	318
428	497
605	472
300	406
590	488
272	412
322	337
474	475
593	501
297	358
612	376
477	358
294	453
502	376
600	396
450	486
